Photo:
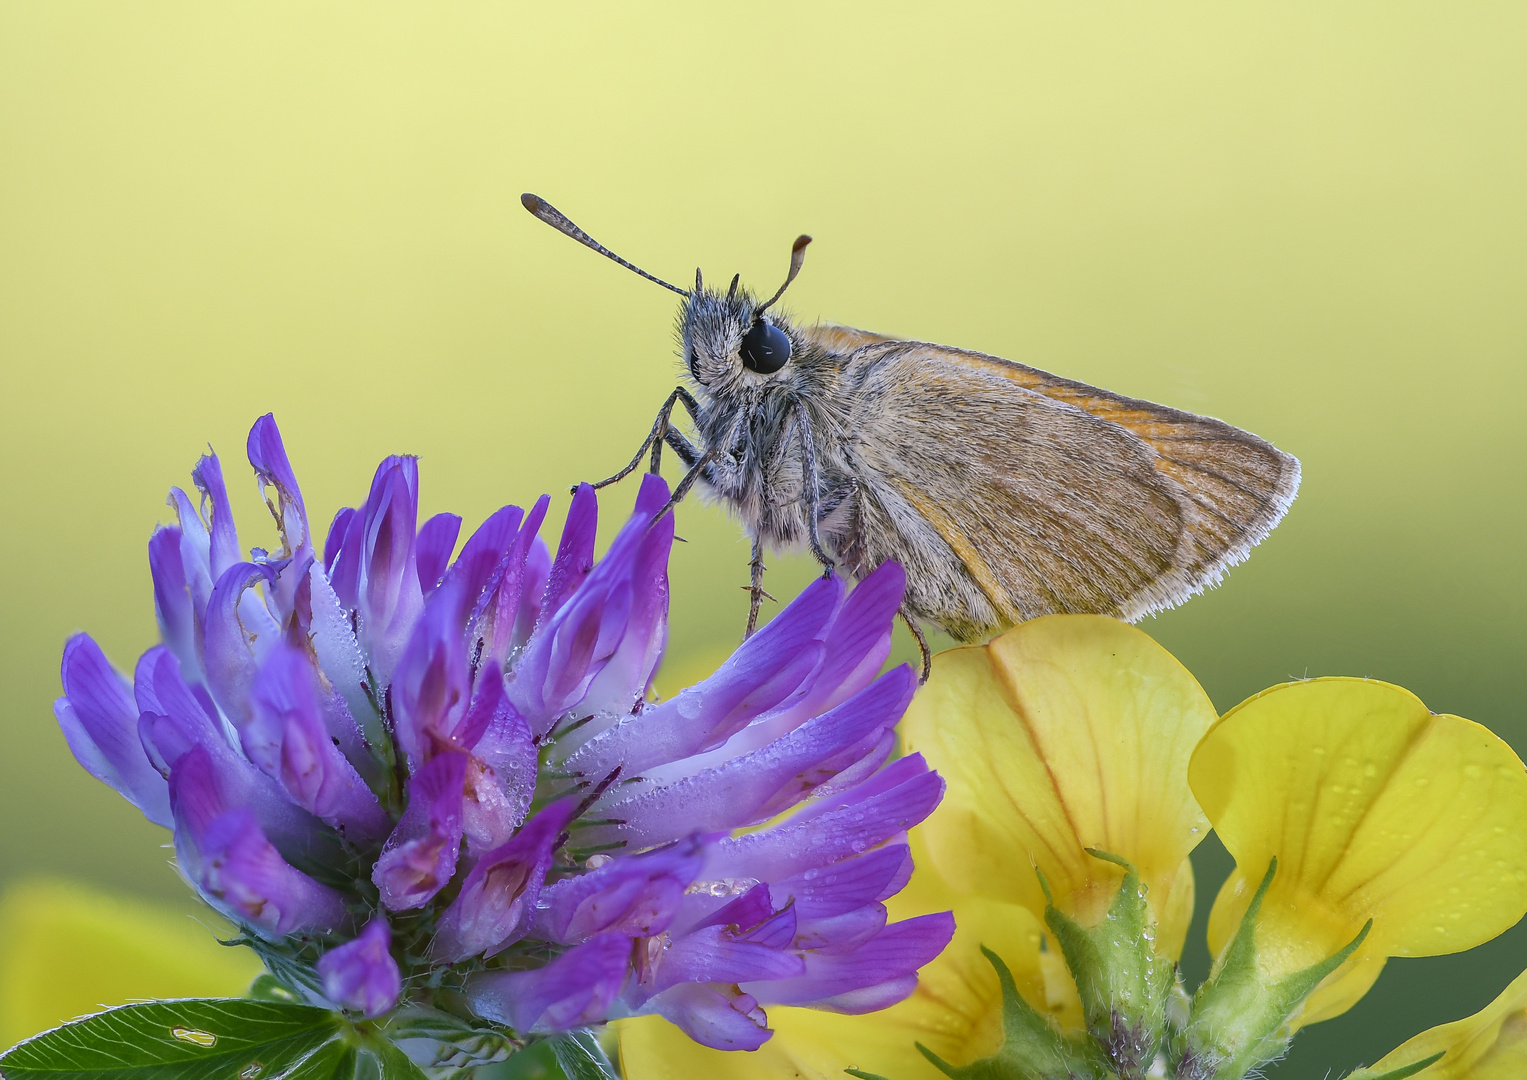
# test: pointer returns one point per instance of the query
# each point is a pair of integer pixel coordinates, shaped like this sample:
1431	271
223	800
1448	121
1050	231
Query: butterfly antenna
559	221
797	257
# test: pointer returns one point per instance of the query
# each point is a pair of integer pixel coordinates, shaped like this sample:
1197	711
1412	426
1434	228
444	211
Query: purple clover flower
437	788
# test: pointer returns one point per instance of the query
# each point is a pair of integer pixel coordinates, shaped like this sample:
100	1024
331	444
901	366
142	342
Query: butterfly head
725	338
729	339
732	337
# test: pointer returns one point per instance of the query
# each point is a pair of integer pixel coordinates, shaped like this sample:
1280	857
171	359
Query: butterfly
1005	492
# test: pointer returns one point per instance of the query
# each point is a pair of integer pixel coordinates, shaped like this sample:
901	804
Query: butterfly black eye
765	349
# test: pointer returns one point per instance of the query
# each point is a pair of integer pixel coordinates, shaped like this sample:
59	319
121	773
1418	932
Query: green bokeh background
1305	218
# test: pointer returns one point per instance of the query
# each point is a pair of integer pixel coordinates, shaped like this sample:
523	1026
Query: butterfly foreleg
810	481
662	431
695	472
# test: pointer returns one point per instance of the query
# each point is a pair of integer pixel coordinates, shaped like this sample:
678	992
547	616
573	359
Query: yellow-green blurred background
1306	218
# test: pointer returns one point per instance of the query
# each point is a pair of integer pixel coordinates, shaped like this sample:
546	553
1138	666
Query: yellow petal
955	1010
1375	808
1490	1045
1067	732
69	950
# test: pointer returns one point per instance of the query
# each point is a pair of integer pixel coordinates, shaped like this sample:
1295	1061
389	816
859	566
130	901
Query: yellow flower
1375	809
1067	733
1077	734
1490	1045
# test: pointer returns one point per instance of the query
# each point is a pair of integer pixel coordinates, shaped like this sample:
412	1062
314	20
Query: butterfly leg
810	482
697	470
755	588
922	644
661	432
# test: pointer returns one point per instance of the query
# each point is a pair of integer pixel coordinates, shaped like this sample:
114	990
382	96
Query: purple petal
860	638
267	455
732	954
287	737
389	600
532	590
195	550
227	856
361	976
437	539
497	611
847	885
342	555
597	652
766	670
877	974
223	551
159	687
855	648
169	740
760	784
623	679
821	834
236	636
501	779
575	551
635	895
420	855
99	719
499	896
842	933
715	1015
339	658
575	989
483	550
432	689
179	621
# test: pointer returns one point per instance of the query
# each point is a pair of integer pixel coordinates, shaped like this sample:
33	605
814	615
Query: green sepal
1238	1021
862	1075
581	1057
1123	982
1397	1074
201	1037
1032	1048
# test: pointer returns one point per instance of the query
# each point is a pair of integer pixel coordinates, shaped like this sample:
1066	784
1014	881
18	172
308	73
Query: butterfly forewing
1010	493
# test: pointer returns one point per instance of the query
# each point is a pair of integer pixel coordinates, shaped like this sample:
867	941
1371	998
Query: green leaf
196	1038
581	1057
269	988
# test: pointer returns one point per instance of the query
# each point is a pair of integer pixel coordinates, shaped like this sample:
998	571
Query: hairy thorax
761	459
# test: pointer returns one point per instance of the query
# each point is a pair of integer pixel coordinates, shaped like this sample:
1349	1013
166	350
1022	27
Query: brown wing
1051	495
